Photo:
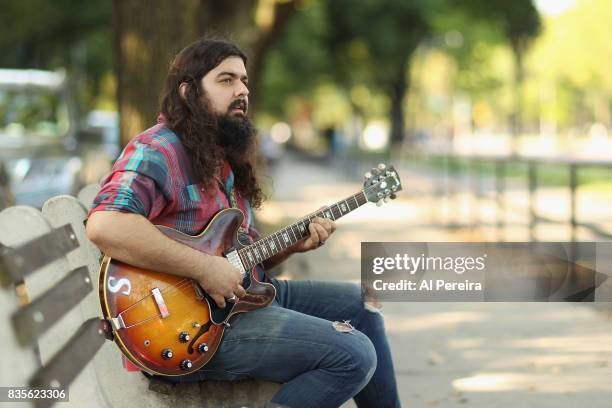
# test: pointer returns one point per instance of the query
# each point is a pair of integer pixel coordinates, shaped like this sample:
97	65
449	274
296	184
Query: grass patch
549	175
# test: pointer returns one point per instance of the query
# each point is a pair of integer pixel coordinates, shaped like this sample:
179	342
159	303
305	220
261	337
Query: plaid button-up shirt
153	177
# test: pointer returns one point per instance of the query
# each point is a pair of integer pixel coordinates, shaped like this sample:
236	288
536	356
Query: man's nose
242	89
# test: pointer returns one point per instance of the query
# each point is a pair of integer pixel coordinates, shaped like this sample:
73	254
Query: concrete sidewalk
451	354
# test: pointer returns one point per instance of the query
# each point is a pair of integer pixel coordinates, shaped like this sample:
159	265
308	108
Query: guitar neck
271	245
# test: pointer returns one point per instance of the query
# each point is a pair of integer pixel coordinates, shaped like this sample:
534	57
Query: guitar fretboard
271	245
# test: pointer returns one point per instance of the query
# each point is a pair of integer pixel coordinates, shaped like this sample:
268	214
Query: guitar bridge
117	322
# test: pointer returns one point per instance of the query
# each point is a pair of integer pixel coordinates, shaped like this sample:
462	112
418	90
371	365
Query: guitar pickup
161	304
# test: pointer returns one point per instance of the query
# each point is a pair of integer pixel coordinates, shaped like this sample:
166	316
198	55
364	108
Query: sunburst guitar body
166	324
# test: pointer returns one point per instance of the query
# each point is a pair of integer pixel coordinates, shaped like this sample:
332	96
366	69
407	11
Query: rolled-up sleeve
138	182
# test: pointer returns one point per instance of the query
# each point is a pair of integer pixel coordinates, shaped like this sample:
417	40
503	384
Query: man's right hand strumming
220	280
148	248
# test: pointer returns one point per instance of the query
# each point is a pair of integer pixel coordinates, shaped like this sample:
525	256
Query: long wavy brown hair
195	123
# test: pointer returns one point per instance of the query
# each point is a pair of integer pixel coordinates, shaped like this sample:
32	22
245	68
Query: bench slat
31	321
67	363
16	263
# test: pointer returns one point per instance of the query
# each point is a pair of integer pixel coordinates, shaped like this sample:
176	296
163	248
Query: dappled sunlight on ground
434	321
509	381
552	362
576	344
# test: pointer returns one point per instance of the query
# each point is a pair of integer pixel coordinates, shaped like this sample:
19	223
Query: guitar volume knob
203	348
184	337
167	354
186	364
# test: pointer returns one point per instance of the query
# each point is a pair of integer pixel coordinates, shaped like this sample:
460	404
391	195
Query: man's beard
235	135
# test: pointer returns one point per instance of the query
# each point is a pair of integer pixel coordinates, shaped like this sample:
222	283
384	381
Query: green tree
572	58
520	23
388	32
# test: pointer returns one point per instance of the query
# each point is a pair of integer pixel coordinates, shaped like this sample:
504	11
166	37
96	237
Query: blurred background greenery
350	79
404	71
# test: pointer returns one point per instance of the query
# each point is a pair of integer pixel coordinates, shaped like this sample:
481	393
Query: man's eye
227	81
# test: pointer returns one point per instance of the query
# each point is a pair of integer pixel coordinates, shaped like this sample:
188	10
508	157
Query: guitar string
321	211
178	285
257	244
167	290
186	281
159	314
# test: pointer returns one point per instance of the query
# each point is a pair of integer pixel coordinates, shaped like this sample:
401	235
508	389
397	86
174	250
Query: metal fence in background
450	172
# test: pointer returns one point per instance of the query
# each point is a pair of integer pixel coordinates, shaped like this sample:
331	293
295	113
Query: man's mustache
239	104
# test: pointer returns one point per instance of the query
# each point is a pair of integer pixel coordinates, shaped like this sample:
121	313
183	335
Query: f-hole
203	329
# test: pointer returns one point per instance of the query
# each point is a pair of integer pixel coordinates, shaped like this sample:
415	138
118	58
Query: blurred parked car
43	150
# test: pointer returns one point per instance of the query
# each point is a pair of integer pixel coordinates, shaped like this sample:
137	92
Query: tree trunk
283	11
146	37
398	90
226	19
516	117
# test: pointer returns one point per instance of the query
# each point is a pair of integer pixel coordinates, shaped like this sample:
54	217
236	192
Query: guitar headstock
381	183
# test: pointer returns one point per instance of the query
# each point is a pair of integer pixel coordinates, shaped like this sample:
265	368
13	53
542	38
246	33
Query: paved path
451	354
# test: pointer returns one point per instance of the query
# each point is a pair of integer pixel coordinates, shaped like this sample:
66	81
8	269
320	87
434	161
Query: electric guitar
167	324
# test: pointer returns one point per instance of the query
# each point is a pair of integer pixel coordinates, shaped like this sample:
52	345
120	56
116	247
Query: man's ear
183	90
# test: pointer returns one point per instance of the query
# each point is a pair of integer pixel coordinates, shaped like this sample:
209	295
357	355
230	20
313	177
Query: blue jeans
302	340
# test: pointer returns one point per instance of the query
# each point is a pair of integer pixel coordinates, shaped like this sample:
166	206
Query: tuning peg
375	171
379	203
381	166
386	199
367	175
393	196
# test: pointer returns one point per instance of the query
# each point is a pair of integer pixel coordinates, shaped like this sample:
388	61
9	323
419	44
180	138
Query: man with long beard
197	160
